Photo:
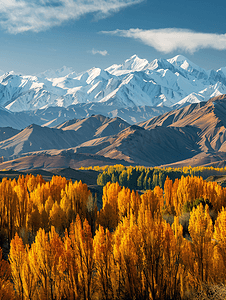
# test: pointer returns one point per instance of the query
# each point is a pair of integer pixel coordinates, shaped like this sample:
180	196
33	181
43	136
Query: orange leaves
201	232
57	217
152	201
124	201
136	254
44	262
82	245
108	216
74	200
110	195
186	190
200	225
121	202
6	287
220	249
102	245
17	259
53	267
220	229
104	268
17	250
30	203
146	257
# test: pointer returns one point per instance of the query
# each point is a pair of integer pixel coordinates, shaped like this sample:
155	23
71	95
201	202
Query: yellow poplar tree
201	232
6	287
109	214
103	263
44	256
220	249
17	255
82	245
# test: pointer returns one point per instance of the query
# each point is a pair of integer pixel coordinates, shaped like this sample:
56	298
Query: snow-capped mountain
64	71
136	82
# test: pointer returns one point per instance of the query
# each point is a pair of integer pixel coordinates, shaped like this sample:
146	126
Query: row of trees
178	197
31	203
142	178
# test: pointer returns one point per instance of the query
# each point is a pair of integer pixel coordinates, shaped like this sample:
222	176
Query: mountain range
135	91
168	112
191	135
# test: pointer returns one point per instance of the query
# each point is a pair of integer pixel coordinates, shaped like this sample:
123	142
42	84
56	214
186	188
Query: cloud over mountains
167	40
17	16
101	52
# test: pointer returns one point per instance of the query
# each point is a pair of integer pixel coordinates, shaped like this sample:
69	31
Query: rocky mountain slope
7	132
54	116
193	135
10	119
34	138
94	126
67	135
59	159
145	147
208	117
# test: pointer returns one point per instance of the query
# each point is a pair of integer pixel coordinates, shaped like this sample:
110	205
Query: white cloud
171	39
37	15
103	53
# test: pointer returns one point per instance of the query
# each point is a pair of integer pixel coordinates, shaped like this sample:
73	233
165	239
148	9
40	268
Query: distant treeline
142	178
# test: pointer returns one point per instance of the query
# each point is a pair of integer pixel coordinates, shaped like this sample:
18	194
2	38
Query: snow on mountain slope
183	63
222	70
53	116
64	71
134	63
136	82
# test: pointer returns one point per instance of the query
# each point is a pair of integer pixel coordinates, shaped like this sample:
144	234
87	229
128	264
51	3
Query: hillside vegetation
142	178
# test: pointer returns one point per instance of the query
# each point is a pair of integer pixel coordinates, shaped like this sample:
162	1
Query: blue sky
37	35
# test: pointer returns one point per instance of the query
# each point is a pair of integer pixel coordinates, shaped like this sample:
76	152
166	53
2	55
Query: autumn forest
160	234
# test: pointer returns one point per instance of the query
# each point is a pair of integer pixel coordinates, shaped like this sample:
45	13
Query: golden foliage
58	252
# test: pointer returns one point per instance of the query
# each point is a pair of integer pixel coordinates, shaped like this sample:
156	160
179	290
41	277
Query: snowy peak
90	75
136	82
184	63
178	60
158	64
223	70
134	63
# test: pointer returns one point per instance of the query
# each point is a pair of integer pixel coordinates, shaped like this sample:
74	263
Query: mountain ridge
35	138
208	117
190	135
136	82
